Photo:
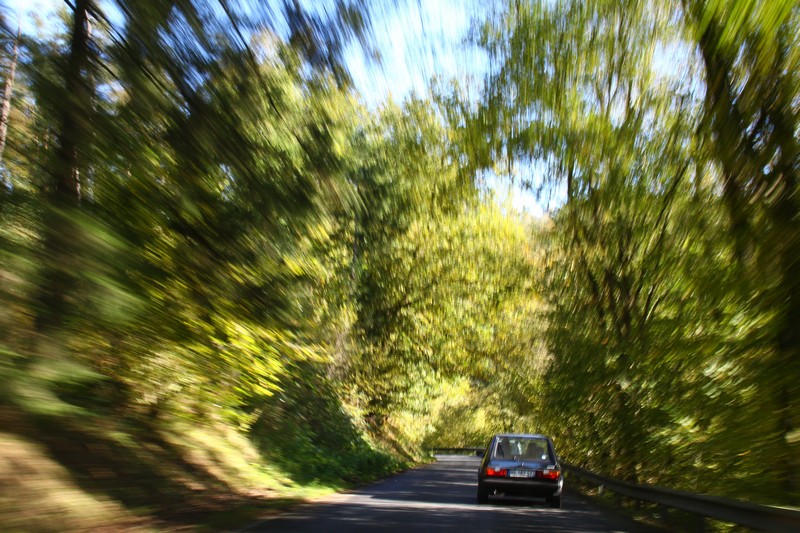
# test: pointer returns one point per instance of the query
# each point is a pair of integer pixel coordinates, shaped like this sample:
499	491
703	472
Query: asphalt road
438	497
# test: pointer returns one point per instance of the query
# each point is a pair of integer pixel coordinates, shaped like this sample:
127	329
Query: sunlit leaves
651	327
238	232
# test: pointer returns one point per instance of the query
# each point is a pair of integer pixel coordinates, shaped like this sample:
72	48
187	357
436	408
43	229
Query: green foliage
306	432
663	364
212	227
201	221
169	226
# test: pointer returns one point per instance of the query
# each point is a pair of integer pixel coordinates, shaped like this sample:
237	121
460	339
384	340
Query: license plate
521	473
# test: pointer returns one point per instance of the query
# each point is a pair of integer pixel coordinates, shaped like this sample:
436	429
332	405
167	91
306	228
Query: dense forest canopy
202	219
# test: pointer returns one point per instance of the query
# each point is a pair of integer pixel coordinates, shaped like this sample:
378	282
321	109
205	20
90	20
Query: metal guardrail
474	450
761	517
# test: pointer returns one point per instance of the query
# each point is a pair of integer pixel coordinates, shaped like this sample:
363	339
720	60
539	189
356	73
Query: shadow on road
437	497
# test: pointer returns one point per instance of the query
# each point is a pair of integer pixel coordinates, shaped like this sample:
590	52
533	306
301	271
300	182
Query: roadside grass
39	494
85	472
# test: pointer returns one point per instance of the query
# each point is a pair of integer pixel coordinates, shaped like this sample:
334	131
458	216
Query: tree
580	92
751	58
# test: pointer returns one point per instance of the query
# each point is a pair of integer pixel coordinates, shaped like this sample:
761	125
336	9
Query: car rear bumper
526	487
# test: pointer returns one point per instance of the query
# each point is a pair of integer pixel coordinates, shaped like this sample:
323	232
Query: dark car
521	465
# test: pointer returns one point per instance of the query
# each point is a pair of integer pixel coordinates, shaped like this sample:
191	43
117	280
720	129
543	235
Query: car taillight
549	474
498	472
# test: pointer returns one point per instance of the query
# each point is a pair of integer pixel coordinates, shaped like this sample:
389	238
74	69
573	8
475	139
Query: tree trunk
60	251
786	238
8	88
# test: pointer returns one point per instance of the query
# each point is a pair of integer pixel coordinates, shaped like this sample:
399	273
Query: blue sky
417	40
25	11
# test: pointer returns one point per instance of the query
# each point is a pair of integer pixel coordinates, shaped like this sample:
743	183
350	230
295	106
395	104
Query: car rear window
517	448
